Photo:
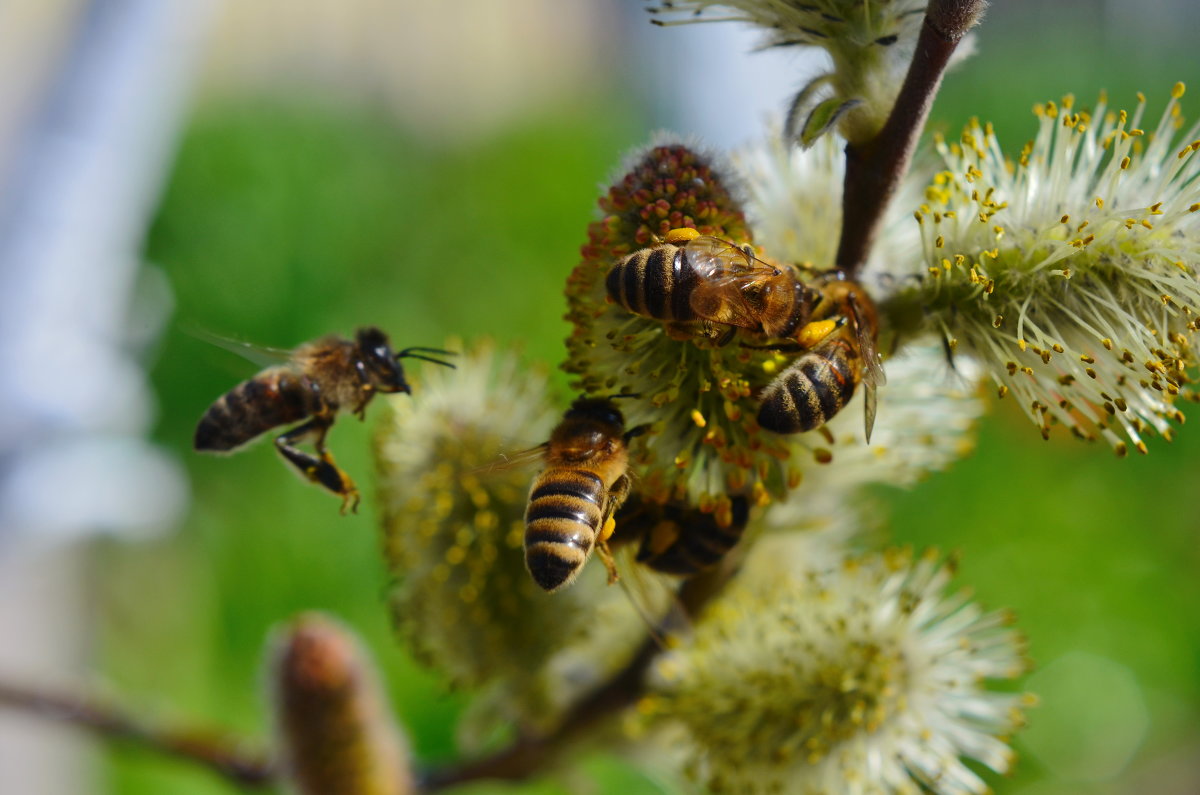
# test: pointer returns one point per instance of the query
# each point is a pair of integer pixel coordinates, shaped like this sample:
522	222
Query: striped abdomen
654	282
812	390
274	397
685	540
566	509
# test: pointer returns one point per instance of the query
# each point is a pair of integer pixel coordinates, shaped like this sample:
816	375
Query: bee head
596	409
380	362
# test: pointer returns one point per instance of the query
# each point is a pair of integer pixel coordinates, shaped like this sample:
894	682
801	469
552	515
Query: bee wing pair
732	282
873	375
261	355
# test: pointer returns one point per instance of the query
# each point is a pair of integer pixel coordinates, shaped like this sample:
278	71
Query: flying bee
839	352
314	382
677	538
573	499
691	278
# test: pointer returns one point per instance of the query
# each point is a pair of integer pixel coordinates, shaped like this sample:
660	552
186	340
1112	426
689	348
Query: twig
531	753
204	747
874	168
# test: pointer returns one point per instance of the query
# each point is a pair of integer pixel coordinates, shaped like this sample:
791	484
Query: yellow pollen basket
610	524
814	332
681	235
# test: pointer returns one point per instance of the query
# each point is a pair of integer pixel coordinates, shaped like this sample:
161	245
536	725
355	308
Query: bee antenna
408	353
623	395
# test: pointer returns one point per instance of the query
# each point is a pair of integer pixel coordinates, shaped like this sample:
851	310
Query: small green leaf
801	103
823	117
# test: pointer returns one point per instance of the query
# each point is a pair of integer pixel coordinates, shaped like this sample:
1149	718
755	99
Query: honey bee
677	538
314	382
691	277
573	499
839	352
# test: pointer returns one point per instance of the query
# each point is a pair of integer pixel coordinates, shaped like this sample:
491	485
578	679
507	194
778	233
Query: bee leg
616	497
606	557
368	390
633	433
319	469
724	336
782	347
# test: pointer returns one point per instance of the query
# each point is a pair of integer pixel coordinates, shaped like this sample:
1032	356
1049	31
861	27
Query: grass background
286	220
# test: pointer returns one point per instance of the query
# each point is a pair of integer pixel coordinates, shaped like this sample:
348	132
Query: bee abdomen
700	543
253	407
810	392
561	522
655	282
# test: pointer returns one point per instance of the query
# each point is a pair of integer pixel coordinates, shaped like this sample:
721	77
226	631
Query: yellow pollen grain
698	418
939	242
1002	391
1100	202
1125	162
1177	90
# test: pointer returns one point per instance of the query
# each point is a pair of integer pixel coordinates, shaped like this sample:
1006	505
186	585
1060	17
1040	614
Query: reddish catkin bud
335	733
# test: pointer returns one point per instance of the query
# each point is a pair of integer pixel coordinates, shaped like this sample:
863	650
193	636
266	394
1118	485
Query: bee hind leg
319	469
606	557
616	497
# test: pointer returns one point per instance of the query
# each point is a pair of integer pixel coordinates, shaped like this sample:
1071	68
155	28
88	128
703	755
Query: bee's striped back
686	541
566	508
654	282
813	389
274	397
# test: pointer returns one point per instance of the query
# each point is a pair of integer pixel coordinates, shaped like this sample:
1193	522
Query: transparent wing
873	375
727	274
261	355
870	403
520	459
709	255
722	299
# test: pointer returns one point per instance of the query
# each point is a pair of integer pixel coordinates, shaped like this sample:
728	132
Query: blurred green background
290	217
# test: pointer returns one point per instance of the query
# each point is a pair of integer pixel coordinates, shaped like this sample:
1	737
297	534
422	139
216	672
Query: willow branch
531	753
207	748
875	167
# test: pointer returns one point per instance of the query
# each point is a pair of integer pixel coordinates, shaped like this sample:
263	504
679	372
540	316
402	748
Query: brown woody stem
207	748
874	168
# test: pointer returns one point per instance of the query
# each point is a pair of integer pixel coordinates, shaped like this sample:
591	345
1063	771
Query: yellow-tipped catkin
808	680
1089	296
